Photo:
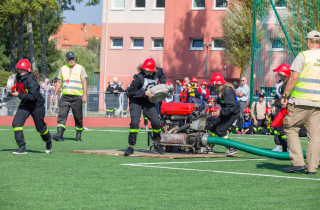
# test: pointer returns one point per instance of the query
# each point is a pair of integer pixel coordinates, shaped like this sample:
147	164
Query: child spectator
184	93
210	104
266	122
204	95
246	122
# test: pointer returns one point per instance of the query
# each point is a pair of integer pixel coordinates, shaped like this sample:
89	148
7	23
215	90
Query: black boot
59	135
78	137
21	151
129	151
159	148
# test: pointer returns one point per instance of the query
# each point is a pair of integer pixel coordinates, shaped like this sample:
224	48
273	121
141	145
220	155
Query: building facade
70	35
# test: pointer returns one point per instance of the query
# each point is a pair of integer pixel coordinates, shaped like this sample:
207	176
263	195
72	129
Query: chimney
94	24
85	27
70	23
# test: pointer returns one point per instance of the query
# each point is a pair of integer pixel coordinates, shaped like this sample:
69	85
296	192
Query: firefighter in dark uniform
72	79
230	108
32	103
109	99
138	94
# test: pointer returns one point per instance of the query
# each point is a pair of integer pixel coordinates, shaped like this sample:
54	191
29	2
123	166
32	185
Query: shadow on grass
276	167
12	150
68	139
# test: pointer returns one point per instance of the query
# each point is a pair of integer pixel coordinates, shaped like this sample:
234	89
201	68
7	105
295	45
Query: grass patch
63	180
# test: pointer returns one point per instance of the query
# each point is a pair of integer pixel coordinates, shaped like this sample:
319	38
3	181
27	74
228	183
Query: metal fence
100	104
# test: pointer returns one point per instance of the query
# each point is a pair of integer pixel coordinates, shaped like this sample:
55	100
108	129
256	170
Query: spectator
186	79
258	110
109	99
243	92
46	87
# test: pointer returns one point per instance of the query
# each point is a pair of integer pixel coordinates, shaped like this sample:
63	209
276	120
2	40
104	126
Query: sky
83	14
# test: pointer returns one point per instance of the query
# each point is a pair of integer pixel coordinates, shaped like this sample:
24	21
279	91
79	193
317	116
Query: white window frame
66	40
155	6
197	8
138	8
156	48
218	8
217	48
276	49
136	48
116	47
274	2
117	8
195	48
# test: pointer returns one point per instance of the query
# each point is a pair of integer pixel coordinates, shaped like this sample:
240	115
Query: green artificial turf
64	180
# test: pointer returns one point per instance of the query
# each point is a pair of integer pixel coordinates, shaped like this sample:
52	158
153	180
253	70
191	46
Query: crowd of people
297	91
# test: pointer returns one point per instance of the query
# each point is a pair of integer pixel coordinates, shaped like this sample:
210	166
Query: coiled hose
247	148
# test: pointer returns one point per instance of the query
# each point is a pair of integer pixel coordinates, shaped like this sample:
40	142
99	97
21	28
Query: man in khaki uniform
72	79
304	106
258	111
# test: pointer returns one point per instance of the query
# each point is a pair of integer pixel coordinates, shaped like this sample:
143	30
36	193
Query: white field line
149	165
225	172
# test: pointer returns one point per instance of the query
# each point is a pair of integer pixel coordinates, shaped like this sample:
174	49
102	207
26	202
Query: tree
237	28
302	17
84	57
94	44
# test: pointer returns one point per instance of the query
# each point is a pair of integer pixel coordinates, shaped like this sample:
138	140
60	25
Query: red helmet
204	83
246	110
24	64
268	109
210	100
184	83
169	83
194	79
283	69
213	109
217	79
149	65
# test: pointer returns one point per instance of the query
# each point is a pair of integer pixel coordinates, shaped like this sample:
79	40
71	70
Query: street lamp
206	45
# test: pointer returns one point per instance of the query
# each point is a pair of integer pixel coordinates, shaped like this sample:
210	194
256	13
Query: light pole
206	45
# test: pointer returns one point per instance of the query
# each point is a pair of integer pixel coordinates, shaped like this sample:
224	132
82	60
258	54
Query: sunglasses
261	96
242	80
71	59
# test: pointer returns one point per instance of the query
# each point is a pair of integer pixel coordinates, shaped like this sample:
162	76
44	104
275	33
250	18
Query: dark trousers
280	137
150	111
110	103
251	130
224	124
38	118
75	103
233	129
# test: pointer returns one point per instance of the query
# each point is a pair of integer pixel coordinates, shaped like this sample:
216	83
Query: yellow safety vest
192	93
308	85
71	83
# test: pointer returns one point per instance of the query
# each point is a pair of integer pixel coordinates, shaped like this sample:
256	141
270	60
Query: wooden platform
147	154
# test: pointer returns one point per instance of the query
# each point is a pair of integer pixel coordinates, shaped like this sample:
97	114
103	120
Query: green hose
249	148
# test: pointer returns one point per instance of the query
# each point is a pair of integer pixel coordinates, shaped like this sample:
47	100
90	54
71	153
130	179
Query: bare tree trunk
32	55
21	41
43	45
12	43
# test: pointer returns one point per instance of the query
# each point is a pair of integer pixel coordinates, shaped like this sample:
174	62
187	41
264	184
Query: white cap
313	35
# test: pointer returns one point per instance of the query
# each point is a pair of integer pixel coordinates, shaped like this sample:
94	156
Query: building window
280	3
87	42
140	4
157	43
118	4
66	40
198	4
137	43
220	4
160	4
277	44
196	44
218	44
116	43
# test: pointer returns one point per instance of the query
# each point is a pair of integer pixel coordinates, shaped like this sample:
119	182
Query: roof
72	34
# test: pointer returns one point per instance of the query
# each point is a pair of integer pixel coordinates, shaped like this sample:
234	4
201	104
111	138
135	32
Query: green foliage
94	44
302	17
237	27
4	75
84	57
